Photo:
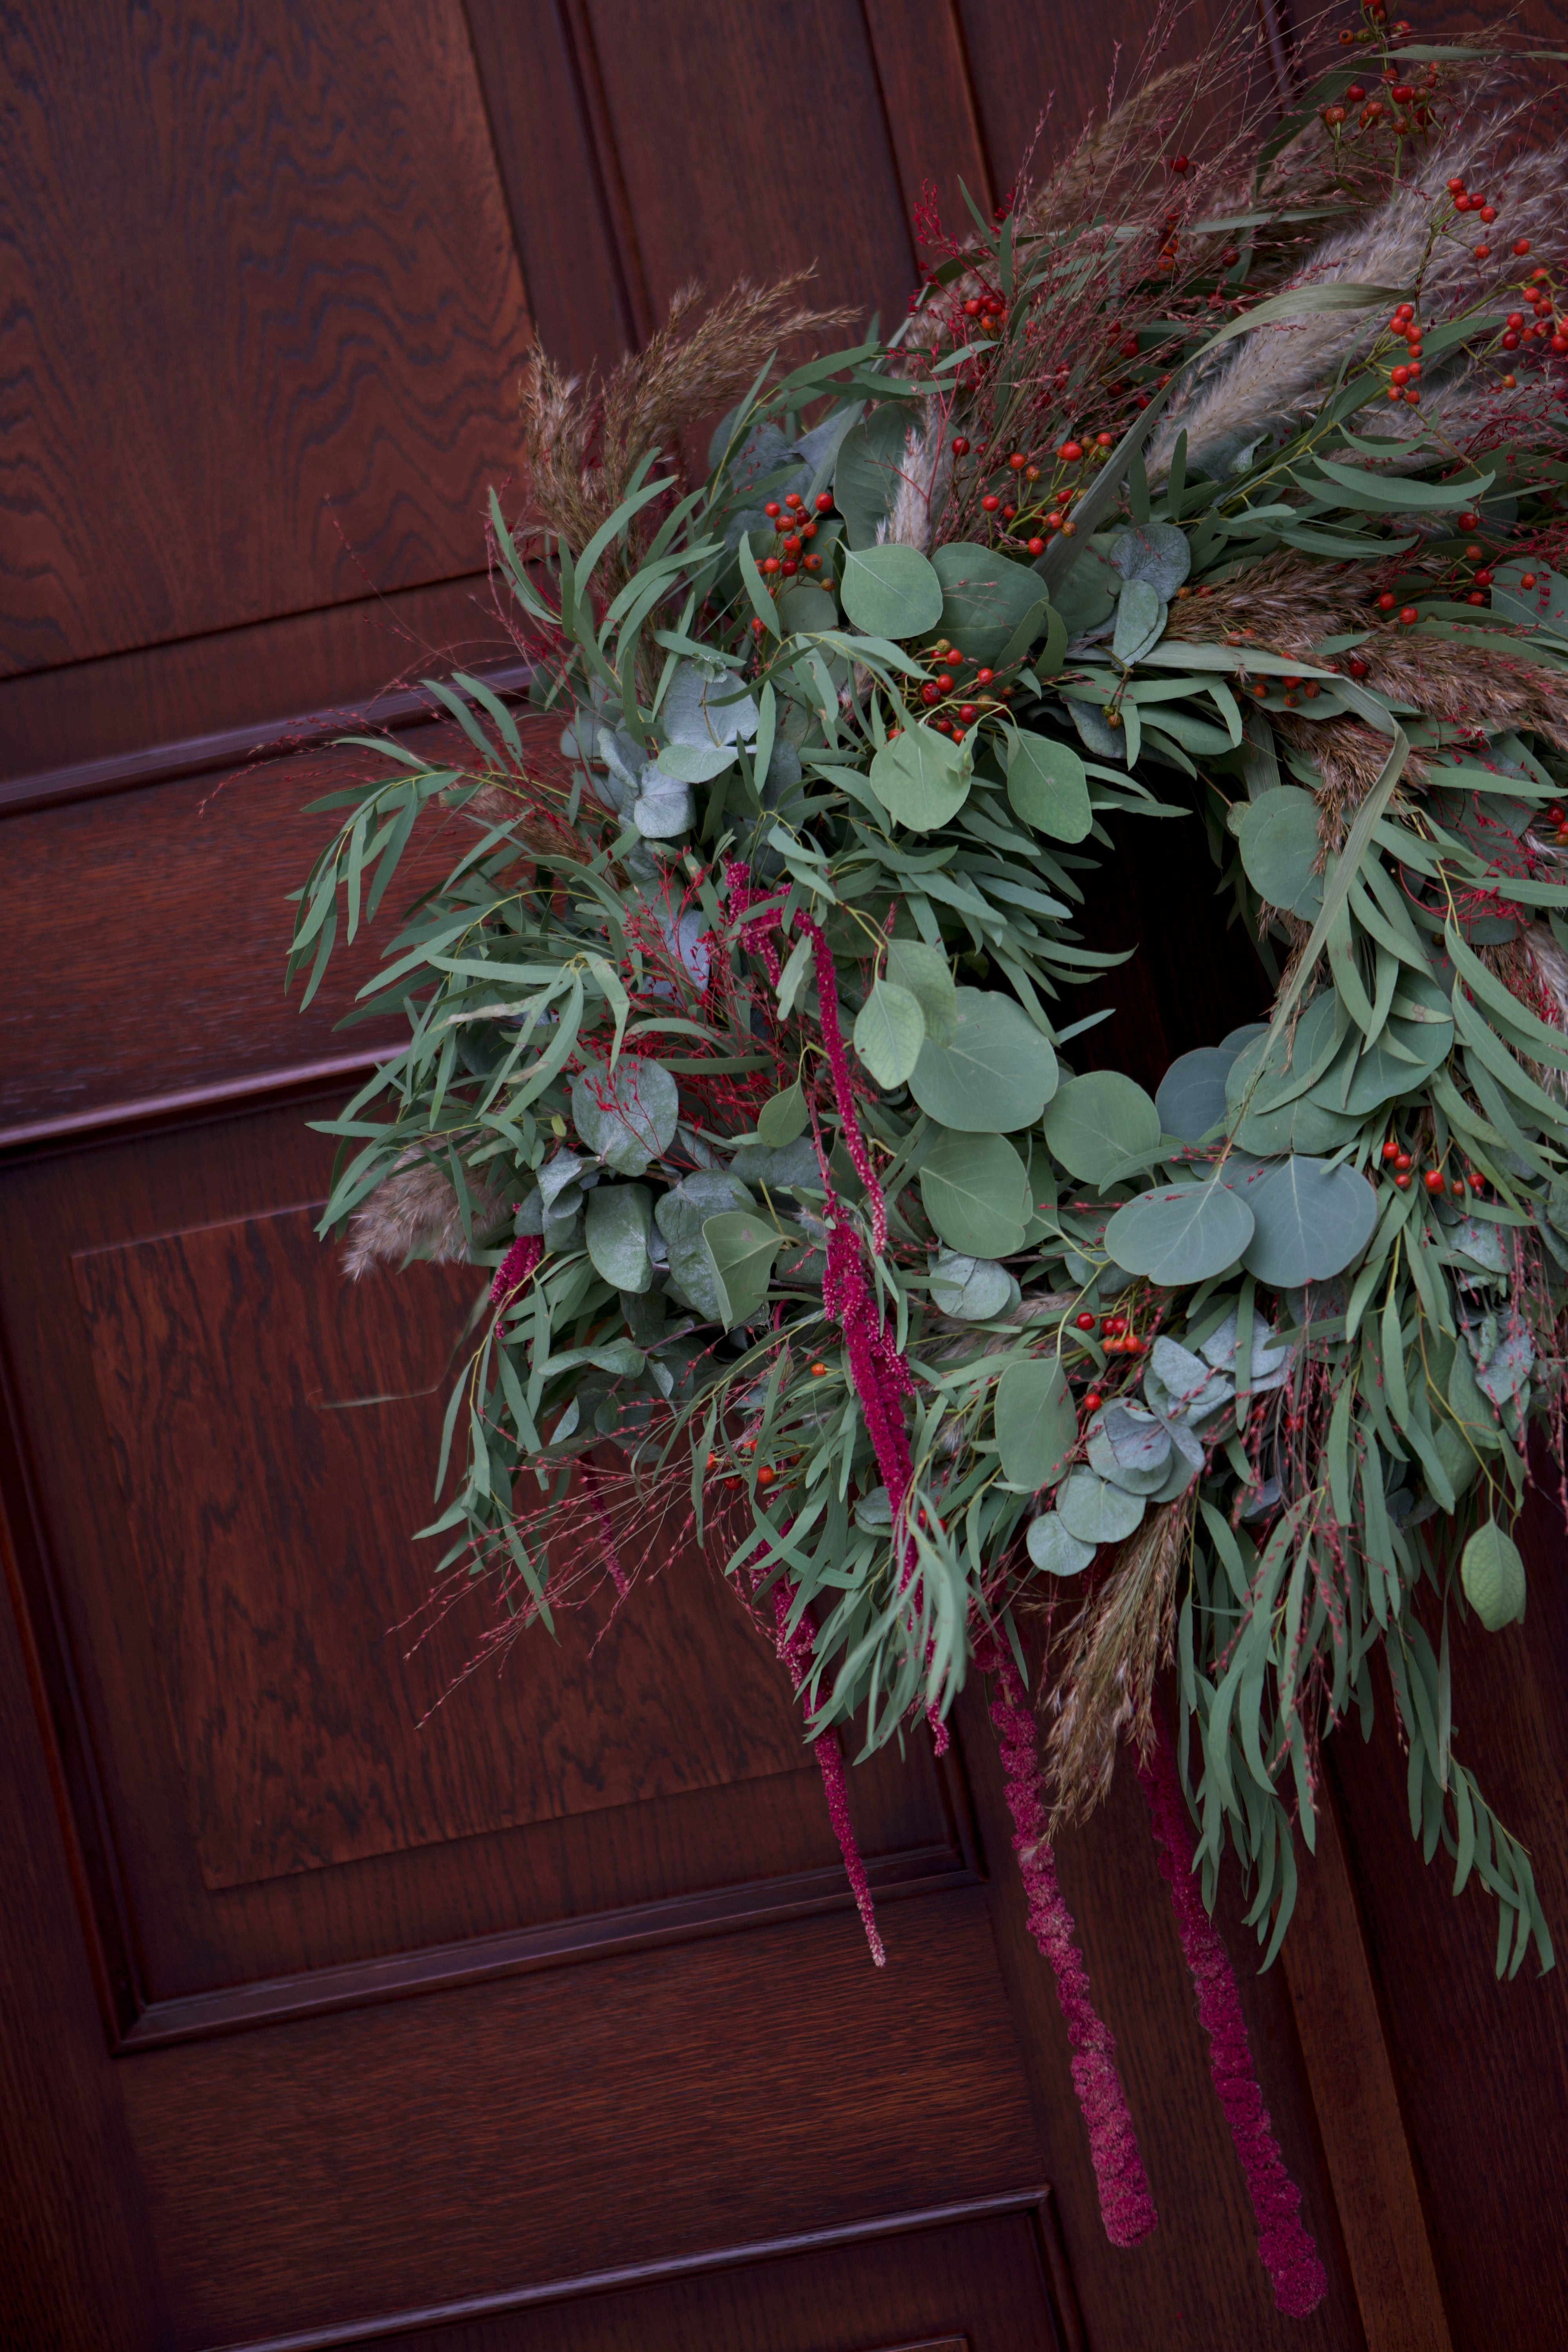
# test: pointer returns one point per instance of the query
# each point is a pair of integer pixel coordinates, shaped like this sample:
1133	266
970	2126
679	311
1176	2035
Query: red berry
1521	245
1527	579
770	563
930	694
1514	319
1408	614
990	503
1432	1180
1085	1322
818	1370
1483	253
1179	163
1478	1181
1391	1149
1093	1401
1457	1188
712	1462
824	502
1402	1179
960	447
968	713
793	498
773	508
1456	187
1036	546
1356	666
1070	452
756	628
791	544
1470	522
1475	598
1483	578
1510	342
1018	460
944	679
1403	1159
1385	602
766	1475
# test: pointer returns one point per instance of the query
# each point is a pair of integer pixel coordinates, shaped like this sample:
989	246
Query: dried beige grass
414	1213
1276	373
1120	1641
583	439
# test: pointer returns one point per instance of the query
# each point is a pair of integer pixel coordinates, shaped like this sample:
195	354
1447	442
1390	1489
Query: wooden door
347	1998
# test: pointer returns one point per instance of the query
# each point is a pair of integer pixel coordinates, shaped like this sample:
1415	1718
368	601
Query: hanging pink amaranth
795	1649
1286	2250
1126	2206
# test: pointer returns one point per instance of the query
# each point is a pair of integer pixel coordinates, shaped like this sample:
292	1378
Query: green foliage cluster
624	1048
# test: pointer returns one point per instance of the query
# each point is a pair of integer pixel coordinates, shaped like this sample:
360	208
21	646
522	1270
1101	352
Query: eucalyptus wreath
741	1049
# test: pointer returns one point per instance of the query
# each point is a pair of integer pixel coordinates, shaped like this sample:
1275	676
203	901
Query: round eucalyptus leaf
997	1075
973	1189
662	809
707	704
1492	1574
1155	552
1179	1233
921	778
1048	786
806	610
890	1031
1381	1077
689	763
986	597
1190	1100
1102	1458
628	1115
890	590
1278	844
782	1117
1304	1124
1311	1220
618	1221
1097	1513
971	1289
922	970
742	1245
1053	1550
1139	621
1036	1422
1096	1122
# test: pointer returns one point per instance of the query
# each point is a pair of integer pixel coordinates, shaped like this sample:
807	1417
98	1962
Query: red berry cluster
1401	1165
794	525
948	706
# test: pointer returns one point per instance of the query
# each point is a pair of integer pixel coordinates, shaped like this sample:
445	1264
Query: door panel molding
1035	2206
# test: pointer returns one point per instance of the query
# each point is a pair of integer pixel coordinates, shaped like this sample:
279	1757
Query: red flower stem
1126	2206
1284	2246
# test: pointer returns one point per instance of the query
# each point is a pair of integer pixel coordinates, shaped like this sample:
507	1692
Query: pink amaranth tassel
1126	2206
515	1267
753	936
843	1085
795	1649
1286	2250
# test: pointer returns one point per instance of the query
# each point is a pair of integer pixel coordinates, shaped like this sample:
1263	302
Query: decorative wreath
1223	471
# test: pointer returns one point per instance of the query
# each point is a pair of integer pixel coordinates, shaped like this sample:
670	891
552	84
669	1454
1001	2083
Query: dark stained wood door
345	1996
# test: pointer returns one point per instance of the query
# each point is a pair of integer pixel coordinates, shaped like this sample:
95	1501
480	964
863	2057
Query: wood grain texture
262	353
1039	75
78	2267
923	67
1199	2268
579	267
286	1614
339	659
756	114
781	2294
355	1700
1345	2045
1480	2066
177	895
341	2167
